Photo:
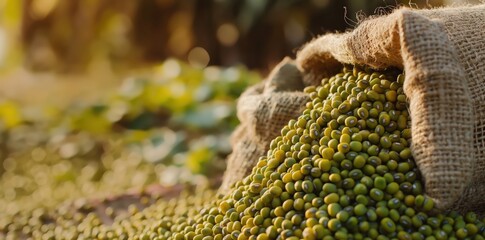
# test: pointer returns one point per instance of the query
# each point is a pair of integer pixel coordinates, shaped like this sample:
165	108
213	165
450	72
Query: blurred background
101	96
66	36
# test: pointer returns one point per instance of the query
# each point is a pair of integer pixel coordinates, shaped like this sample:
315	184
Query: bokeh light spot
38	154
198	57
227	34
171	68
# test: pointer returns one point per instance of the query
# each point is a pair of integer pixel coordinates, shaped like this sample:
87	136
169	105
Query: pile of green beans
342	170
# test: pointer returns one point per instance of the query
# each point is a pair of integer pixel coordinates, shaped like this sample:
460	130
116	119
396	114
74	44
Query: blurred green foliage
168	127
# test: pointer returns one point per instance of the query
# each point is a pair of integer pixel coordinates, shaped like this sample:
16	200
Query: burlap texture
442	52
263	110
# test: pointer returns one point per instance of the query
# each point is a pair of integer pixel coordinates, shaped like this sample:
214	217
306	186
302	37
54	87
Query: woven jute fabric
442	52
263	110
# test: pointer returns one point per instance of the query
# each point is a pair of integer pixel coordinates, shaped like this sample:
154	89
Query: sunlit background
98	97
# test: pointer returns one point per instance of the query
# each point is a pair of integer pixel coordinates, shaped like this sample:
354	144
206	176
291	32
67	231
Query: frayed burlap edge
263	110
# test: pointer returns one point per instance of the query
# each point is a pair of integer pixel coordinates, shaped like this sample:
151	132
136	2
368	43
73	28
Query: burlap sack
442	52
263	110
